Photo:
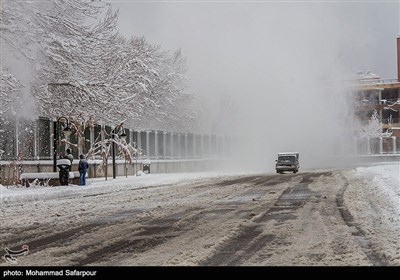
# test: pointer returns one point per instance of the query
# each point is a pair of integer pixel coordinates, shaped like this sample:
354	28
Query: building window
390	114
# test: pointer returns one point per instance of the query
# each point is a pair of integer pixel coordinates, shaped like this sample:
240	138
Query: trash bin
146	166
64	166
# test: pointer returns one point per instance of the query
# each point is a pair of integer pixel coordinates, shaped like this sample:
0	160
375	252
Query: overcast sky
222	36
265	56
232	46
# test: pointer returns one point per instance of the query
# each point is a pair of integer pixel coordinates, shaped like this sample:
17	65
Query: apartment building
371	93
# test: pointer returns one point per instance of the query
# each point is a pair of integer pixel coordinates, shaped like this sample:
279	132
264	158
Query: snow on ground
20	194
375	204
98	202
384	178
372	197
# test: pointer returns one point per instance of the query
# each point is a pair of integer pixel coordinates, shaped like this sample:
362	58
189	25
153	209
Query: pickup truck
287	161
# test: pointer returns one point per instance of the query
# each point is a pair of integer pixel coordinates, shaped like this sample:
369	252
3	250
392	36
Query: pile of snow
375	205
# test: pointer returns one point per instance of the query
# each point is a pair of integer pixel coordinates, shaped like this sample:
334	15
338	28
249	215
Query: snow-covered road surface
327	217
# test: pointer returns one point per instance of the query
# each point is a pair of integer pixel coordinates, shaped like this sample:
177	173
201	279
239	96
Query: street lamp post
67	131
122	136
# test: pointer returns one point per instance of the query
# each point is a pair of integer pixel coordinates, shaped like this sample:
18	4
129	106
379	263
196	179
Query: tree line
87	71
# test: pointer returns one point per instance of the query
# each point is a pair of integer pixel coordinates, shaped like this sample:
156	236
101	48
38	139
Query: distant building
370	93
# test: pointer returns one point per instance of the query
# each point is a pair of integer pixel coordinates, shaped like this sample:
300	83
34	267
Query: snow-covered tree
9	91
133	80
72	52
17	28
16	37
374	131
172	106
135	66
375	127
87	69
25	27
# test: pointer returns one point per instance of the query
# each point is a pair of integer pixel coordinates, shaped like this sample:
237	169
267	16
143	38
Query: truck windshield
286	158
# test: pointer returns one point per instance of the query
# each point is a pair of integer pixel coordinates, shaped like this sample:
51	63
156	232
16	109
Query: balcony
385	104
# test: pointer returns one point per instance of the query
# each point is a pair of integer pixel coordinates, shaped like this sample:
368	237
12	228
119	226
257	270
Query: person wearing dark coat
82	168
69	155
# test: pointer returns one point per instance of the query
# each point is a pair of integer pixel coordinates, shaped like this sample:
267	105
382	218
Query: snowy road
310	218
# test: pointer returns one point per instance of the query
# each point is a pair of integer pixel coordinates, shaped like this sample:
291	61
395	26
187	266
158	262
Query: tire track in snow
359	235
151	235
58	239
251	239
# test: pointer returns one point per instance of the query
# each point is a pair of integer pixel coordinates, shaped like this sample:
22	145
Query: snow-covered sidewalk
20	194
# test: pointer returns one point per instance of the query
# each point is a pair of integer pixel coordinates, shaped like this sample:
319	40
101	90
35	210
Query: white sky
229	40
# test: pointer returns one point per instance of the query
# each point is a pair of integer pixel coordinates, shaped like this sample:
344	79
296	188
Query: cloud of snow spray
274	61
257	67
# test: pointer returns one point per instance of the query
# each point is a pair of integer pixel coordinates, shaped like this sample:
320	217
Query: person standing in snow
64	169
69	155
82	168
